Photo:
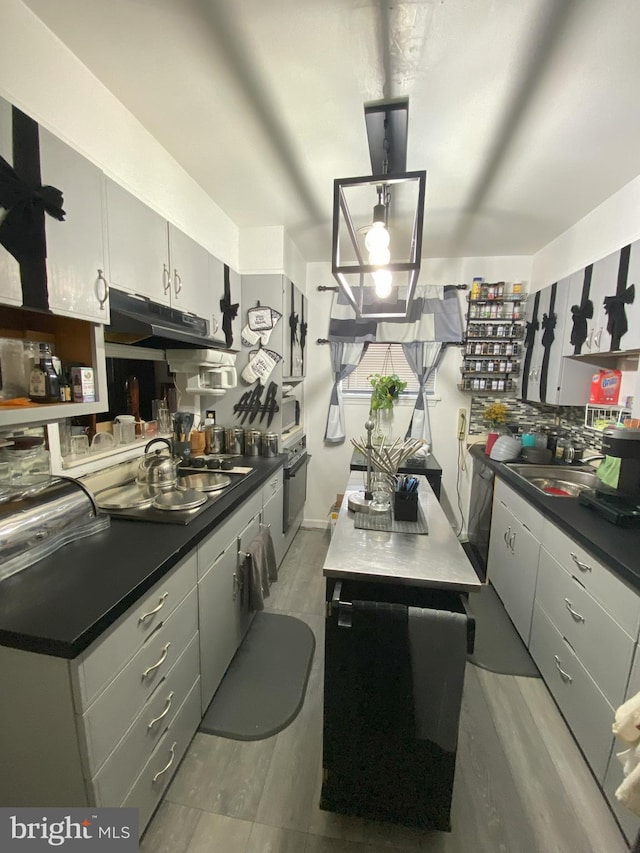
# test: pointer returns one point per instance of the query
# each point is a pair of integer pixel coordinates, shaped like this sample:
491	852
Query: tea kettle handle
154	440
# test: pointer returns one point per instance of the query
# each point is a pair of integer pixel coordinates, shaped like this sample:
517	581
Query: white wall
43	78
329	469
611	225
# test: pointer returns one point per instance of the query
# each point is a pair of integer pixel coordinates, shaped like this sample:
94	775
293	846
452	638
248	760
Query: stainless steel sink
557	481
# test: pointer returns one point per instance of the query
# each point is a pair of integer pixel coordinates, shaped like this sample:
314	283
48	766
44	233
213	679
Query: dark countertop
616	547
62	603
424	466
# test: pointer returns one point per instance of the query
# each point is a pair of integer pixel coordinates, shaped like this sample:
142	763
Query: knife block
405	506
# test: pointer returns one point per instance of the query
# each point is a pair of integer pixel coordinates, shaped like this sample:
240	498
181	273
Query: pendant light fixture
377	222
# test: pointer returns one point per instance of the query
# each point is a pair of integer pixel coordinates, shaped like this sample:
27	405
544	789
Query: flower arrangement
386	391
495	414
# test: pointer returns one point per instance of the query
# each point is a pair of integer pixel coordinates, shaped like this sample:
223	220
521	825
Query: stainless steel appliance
290	408
620	506
295	480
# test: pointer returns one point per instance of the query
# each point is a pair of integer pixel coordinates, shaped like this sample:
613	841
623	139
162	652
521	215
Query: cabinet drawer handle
177	282
105	290
168	765
267	526
597	339
589	339
563	675
144	616
511	541
166	278
163	714
506	536
154	666
577	616
584	567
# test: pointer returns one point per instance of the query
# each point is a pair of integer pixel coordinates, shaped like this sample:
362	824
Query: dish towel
627	728
438	650
261	569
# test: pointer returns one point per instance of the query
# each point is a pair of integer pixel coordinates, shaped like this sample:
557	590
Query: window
385	359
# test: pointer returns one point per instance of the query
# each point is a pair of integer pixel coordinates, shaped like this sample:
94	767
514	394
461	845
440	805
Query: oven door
295	490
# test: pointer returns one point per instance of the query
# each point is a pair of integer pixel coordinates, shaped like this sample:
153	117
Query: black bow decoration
548	325
581	313
303	335
229	313
532	327
617	323
293	325
25	206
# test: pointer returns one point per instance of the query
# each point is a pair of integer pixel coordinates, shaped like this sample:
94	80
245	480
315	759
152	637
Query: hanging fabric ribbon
229	310
531	327
548	337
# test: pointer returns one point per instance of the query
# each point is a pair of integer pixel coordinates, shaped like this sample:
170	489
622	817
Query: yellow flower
495	413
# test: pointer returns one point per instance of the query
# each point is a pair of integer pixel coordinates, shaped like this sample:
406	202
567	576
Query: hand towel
438	646
262	569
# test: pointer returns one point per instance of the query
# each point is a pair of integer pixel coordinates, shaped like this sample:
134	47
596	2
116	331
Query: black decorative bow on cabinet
580	314
617	324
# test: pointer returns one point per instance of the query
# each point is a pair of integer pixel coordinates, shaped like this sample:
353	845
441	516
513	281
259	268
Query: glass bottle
44	383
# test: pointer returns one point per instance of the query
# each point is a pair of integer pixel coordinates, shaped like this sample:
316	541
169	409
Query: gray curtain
345	357
423	359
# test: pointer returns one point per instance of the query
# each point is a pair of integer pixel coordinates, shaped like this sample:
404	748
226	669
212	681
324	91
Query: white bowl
506	449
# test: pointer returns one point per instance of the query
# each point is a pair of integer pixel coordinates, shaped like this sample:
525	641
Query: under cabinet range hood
139	321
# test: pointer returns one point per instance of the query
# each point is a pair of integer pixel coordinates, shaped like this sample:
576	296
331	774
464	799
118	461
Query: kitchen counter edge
63	603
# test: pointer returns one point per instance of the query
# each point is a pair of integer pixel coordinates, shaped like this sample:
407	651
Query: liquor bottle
44	383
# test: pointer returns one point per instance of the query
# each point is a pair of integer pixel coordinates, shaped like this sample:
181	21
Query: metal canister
252	439
234	440
216	439
269	444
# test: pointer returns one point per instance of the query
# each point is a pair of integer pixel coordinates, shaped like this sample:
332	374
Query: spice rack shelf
494	332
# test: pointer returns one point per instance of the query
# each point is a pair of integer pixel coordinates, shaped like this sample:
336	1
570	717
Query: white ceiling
523	112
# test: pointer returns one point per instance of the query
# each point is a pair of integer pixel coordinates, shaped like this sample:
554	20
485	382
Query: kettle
158	468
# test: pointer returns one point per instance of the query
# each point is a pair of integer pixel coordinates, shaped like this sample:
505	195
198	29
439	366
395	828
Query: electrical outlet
462	423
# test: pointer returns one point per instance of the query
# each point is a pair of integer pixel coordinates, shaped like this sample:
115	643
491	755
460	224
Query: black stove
615	507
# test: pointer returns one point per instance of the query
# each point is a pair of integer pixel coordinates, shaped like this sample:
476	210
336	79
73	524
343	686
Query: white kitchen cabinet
603	283
272	516
295	316
588	713
10	285
216	287
512	564
223	594
76	278
138	242
189	265
631	339
532	346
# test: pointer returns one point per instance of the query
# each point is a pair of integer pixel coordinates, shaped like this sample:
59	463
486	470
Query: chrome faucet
593	458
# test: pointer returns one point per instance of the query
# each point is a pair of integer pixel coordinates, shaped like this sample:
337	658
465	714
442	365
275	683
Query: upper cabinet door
189	275
76	278
295	331
578	311
10	287
138	244
631	301
603	283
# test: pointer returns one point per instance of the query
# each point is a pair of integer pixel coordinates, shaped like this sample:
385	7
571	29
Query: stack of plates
506	449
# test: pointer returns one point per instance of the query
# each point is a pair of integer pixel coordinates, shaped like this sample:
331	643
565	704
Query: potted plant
386	392
496	415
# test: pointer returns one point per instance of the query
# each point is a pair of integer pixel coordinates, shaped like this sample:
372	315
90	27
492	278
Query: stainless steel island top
434	560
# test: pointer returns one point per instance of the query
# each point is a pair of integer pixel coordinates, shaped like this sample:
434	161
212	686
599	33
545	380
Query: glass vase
383	426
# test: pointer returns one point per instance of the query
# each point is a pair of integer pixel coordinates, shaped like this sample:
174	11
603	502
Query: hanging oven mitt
260	365
260	323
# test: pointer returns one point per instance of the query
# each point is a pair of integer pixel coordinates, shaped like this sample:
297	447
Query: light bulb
383	280
377	237
379	256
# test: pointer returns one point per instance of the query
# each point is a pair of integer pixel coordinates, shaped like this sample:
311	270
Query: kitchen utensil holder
405	506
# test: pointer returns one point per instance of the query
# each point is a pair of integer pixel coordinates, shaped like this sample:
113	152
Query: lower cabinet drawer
587	712
121	769
154	779
112	713
600	643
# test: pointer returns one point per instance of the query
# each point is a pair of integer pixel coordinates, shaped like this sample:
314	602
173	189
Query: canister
234	440
252	439
215	439
269	444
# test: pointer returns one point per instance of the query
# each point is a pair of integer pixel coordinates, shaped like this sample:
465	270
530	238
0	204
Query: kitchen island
397	634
